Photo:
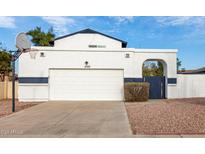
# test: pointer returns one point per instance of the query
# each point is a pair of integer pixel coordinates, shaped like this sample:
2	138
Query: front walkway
68	119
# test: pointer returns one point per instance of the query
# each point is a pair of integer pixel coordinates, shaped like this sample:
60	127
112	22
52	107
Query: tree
152	68
179	64
5	63
145	70
160	69
40	38
183	69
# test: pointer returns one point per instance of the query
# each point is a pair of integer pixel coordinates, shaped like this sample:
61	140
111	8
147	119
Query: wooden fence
6	89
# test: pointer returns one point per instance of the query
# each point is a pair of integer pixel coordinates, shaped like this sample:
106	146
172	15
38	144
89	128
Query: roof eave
90	31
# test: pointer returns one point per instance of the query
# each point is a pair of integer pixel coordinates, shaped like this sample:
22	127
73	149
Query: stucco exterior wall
71	52
33	92
97	58
111	59
167	57
82	41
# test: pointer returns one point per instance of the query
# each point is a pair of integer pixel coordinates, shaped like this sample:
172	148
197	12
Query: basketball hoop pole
23	44
15	56
13	85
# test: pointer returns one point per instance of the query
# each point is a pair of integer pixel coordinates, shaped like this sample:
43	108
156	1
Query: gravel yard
168	117
6	107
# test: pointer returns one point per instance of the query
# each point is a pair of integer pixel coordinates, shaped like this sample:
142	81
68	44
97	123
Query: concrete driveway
68	119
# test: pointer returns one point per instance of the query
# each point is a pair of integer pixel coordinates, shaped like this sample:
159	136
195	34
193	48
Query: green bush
136	91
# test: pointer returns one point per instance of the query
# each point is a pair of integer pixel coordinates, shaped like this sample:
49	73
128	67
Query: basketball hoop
22	42
24	45
32	52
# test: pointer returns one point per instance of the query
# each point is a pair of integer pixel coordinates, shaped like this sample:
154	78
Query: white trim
33	84
172	84
86	69
105	50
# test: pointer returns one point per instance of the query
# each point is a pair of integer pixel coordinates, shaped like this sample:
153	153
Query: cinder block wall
190	85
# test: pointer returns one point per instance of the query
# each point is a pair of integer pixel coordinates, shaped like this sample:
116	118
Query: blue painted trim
172	80
45	80
33	79
133	80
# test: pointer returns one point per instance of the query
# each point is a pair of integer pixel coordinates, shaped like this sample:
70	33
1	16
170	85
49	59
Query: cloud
7	22
181	21
60	24
123	19
193	27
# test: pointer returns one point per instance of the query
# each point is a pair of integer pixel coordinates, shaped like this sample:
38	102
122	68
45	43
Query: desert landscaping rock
168	117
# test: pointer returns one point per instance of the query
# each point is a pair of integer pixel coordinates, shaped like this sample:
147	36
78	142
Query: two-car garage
86	84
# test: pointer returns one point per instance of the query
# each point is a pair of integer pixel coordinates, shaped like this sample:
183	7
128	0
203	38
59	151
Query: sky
185	33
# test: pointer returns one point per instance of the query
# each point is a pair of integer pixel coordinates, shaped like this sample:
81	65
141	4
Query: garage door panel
86	84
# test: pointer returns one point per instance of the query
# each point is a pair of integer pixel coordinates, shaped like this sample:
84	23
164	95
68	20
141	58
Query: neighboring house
89	65
197	71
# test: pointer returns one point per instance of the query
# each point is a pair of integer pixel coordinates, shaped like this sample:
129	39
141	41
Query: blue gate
157	86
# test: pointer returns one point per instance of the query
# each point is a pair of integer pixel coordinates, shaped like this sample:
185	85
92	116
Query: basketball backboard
22	42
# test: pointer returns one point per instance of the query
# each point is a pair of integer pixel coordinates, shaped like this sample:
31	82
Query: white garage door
86	84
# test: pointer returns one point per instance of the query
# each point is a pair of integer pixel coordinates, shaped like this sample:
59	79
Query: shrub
136	91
